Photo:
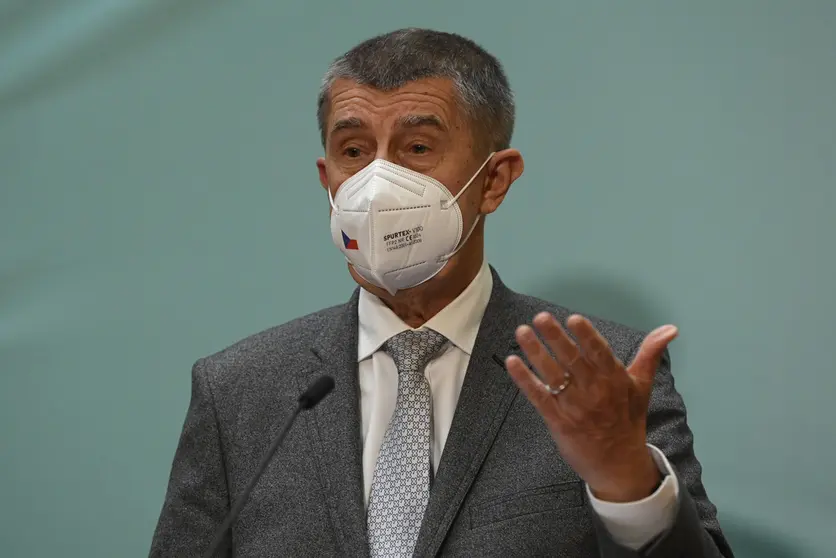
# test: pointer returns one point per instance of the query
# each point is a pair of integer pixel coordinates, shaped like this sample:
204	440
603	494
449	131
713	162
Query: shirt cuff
634	524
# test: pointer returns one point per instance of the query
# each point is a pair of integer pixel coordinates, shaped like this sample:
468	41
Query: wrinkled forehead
430	103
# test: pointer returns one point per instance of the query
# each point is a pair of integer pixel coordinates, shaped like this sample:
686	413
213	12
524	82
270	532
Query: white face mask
397	227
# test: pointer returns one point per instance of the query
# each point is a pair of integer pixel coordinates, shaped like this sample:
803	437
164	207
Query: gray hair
394	59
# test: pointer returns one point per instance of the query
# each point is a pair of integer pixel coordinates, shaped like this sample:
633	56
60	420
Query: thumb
644	365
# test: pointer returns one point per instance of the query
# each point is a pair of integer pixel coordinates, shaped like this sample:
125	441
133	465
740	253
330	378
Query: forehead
431	97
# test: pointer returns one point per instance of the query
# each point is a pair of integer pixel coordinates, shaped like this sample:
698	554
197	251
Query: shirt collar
458	321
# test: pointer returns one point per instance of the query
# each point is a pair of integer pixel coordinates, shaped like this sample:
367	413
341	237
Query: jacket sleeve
197	498
695	532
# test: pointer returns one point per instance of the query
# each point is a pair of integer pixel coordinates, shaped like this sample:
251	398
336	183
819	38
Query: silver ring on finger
567	379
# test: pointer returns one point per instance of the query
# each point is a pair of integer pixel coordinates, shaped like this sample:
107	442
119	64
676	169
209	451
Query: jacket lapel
336	428
486	396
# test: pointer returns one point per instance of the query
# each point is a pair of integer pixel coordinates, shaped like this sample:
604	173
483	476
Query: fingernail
523	331
667	330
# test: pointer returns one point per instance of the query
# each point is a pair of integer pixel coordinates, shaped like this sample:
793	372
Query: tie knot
413	349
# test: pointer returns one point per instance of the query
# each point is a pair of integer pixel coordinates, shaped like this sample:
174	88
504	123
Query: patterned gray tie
401	482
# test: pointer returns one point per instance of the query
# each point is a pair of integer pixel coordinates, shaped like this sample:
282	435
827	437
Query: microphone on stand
308	400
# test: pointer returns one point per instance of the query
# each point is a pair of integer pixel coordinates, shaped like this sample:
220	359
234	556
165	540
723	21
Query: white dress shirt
631	524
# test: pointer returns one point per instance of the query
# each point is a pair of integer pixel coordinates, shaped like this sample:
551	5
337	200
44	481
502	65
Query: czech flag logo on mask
349	243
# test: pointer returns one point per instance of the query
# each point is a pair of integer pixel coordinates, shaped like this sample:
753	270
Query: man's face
418	126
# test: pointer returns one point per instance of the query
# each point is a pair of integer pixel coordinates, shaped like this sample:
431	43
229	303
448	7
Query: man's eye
352	152
419	149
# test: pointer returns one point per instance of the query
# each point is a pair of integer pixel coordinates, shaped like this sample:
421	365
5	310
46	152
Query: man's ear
323	175
505	167
323	178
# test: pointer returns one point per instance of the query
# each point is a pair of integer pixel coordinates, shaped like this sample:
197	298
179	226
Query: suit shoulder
619	335
274	346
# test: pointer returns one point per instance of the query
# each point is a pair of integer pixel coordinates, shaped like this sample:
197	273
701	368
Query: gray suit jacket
501	488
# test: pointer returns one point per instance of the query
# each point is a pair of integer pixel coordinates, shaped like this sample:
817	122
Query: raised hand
594	406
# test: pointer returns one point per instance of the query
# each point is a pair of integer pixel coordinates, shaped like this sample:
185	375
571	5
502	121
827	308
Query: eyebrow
348	124
419	120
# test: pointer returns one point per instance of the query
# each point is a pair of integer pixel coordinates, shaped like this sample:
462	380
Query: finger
558	340
543	362
644	365
595	348
529	383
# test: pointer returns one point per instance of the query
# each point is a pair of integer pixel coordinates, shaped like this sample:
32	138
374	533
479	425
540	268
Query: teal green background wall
159	201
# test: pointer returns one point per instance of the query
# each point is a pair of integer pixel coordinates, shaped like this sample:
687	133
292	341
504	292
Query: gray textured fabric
501	489
401	485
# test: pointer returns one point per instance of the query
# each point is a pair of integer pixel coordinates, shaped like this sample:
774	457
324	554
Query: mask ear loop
447	205
331	199
475	221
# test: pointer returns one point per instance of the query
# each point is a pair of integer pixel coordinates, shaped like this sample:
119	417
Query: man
454	428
